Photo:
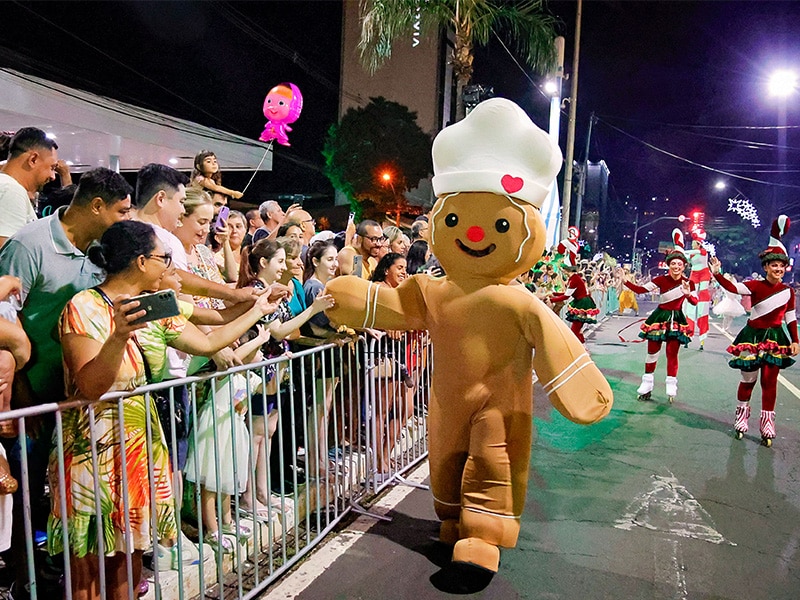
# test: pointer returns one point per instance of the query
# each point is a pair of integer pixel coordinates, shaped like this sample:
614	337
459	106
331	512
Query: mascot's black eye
451	220
501	225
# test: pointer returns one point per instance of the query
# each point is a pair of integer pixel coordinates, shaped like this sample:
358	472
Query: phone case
357	266
158	305
223	215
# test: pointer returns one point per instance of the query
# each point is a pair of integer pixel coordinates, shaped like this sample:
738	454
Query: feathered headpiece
678	250
776	250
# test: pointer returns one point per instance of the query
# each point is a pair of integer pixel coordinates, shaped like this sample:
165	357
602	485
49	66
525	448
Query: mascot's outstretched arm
574	384
361	303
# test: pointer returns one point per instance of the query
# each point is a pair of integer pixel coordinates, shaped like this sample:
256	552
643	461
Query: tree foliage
734	247
380	138
524	24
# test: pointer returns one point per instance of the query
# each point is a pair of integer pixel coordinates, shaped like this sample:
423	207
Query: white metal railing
350	420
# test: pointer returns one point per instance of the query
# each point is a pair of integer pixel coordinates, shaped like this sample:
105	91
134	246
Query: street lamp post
782	84
636	231
387	178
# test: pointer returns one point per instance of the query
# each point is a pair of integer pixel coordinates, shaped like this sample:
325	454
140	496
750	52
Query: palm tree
524	23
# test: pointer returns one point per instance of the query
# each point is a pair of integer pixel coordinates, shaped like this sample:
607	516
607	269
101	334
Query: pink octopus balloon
281	107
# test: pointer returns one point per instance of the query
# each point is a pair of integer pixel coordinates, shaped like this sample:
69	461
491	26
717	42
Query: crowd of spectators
249	287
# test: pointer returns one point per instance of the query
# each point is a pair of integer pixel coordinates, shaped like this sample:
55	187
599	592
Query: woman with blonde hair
195	225
398	242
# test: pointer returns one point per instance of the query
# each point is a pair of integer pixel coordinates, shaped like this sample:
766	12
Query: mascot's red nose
475	233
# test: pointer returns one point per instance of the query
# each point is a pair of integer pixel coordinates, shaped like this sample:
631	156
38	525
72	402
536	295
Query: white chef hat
497	149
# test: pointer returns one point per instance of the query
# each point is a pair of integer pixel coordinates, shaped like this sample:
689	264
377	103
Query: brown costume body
484	332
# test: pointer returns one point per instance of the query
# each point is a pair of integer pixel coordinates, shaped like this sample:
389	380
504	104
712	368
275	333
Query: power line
695	163
690	126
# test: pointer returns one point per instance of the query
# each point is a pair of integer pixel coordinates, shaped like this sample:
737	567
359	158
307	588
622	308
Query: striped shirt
672	295
772	304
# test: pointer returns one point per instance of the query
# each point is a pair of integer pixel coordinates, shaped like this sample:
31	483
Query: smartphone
357	266
222	217
351	218
158	305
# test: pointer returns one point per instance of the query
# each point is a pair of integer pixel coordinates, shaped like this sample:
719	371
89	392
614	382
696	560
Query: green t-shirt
52	270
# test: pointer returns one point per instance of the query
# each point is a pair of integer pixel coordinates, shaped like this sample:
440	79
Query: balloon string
269	147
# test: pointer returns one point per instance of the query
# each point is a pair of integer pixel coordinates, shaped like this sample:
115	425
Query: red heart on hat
511	184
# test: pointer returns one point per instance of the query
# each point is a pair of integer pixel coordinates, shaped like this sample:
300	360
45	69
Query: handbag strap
147	373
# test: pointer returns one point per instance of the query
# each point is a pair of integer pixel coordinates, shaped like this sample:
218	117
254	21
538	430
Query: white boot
672	387
647	384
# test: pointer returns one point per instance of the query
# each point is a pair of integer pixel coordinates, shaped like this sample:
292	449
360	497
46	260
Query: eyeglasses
376	239
165	258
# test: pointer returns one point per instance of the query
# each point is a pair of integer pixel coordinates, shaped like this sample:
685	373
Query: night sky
685	77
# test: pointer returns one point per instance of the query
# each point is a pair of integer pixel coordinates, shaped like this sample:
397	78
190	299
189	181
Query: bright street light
782	83
551	87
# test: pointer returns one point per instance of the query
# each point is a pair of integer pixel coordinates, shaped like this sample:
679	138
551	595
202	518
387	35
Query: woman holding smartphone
102	354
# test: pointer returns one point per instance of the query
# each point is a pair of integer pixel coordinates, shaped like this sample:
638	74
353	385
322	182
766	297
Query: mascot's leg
448	445
494	486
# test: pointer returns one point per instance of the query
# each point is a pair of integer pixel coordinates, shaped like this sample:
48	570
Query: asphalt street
657	501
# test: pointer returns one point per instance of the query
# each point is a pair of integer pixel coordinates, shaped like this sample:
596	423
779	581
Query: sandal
219	542
8	485
242	532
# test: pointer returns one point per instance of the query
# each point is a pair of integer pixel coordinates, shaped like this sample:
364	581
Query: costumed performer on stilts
492	171
581	309
763	346
667	323
701	278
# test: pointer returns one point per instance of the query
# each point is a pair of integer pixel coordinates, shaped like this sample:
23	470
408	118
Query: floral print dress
85	432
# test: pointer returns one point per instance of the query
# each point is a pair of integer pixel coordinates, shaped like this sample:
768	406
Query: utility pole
573	108
551	209
584	174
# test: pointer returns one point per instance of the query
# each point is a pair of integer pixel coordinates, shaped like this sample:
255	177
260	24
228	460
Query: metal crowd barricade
349	420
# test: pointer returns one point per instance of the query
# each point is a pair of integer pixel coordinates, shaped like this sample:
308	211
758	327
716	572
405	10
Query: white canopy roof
94	131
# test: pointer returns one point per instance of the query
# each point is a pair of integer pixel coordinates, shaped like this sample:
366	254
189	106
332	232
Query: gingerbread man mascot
492	170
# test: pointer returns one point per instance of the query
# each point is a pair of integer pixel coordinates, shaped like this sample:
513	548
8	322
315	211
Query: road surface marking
670	508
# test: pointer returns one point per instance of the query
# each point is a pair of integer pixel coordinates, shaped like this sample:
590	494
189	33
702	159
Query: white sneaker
167	558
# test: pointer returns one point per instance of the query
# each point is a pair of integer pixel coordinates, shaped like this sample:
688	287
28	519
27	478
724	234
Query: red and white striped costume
761	347
671	297
701	277
772	305
582	308
667	323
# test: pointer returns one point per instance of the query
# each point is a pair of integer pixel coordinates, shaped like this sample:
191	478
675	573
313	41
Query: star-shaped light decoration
743	208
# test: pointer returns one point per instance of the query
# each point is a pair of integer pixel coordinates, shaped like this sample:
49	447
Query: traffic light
698	218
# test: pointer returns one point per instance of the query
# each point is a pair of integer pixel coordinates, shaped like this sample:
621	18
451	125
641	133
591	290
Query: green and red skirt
753	348
665	325
582	311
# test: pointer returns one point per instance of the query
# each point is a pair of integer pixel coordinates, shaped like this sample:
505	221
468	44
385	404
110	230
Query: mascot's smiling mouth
476	253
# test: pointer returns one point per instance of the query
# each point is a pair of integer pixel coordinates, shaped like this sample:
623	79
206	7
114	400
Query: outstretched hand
714	265
10	287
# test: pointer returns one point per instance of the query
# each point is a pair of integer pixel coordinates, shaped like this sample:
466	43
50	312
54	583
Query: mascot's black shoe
462	578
